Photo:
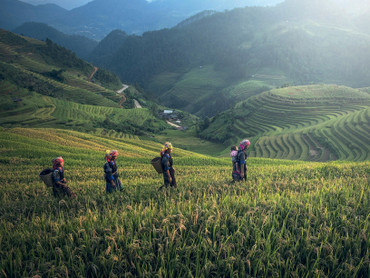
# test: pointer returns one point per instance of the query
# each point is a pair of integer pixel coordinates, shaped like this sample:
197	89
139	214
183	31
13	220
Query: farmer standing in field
60	187
242	157
167	166
236	169
113	182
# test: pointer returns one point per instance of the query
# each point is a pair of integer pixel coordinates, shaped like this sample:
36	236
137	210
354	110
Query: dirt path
137	104
121	92
174	125
93	73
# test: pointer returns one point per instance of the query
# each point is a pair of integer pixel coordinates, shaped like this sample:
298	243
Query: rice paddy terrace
291	218
317	123
43	111
44	85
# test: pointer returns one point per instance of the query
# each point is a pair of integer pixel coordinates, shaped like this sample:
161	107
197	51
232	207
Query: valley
312	123
294	79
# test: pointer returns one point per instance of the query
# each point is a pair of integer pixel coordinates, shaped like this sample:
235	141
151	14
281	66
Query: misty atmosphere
172	138
65	4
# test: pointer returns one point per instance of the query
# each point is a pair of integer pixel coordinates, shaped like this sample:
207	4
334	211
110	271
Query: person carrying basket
113	182
60	187
167	166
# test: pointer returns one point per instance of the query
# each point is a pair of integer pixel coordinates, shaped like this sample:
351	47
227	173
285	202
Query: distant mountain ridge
66	4
13	13
82	46
99	17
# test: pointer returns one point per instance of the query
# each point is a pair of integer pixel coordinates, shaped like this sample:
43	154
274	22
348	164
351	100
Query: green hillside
45	85
303	210
195	65
318	122
300	219
49	69
42	111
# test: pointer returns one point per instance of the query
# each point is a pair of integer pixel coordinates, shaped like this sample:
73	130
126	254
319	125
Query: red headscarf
110	154
57	161
244	144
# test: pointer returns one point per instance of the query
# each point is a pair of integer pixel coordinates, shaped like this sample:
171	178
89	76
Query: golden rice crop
289	219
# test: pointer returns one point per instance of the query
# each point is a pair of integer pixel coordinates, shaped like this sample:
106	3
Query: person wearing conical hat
60	187
242	157
113	182
167	166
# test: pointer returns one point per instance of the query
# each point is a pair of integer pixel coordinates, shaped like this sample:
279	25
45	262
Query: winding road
93	73
137	104
174	125
121	92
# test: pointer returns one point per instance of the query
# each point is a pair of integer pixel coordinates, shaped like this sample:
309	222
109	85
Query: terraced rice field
42	111
330	126
291	218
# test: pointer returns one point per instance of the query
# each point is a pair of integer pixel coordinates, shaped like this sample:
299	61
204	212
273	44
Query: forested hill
194	66
82	46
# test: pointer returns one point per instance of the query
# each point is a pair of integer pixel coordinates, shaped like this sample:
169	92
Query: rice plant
290	219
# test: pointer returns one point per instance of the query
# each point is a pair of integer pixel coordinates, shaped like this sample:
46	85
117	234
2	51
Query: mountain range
66	4
211	61
99	17
294	78
81	45
43	85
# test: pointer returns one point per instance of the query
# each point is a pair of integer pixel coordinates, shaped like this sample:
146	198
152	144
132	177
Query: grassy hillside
50	69
195	89
194	65
42	111
290	218
45	85
318	122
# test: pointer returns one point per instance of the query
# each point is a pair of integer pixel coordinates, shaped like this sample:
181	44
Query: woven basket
45	175
156	162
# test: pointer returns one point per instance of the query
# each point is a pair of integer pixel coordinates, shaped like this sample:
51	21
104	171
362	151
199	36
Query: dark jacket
110	170
58	175
59	187
166	162
242	163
